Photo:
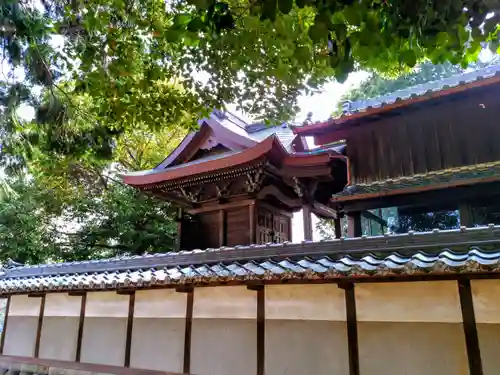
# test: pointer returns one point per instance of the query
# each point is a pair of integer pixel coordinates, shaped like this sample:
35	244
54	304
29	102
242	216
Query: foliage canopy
127	54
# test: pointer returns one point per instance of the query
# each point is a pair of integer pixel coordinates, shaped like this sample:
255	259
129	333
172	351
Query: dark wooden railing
27	366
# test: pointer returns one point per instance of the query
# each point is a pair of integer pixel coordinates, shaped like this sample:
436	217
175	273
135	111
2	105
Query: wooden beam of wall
261	331
186	367
81	322
39	327
352	328
130	328
470	328
4	328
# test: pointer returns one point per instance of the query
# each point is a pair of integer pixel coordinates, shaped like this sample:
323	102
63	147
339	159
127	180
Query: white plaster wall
62	304
103	341
158	344
299	347
22	326
224	347
60	327
105	328
486	299
20	336
22	305
430	301
489	345
412	348
107	304
59	338
229	302
160	303
309	302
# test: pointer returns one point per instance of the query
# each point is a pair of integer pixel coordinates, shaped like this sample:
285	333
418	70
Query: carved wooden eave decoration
270	150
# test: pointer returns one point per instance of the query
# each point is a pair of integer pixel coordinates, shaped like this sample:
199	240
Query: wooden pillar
466	214
261	327
308	230
352	328
470	328
186	366
178	243
130	328
354	224
252	223
81	322
40	324
338	227
4	328
222	228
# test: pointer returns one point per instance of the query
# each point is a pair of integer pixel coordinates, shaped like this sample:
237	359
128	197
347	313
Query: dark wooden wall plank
352	328
4	328
130	327
427	139
39	327
186	367
81	322
470	328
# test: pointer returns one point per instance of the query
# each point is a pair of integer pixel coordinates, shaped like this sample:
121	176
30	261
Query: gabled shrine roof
416	94
435	254
270	147
230	129
442	179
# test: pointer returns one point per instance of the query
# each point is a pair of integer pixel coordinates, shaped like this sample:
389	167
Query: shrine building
410	285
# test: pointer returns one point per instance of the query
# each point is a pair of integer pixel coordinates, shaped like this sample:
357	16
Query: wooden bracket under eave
76	294
255	287
125	292
345	285
184	288
36	295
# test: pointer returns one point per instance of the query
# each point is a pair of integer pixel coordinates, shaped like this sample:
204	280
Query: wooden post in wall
308	230
188	327
4	328
81	322
354	224
40	324
470	327
352	328
261	327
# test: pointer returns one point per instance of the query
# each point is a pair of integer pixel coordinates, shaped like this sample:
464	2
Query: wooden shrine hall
427	152
414	287
238	184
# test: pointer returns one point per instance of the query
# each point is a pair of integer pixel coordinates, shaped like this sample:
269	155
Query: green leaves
269	8
285	6
409	58
318	32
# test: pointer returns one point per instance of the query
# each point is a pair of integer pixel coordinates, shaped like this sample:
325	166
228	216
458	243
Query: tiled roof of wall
442	178
424	89
438	252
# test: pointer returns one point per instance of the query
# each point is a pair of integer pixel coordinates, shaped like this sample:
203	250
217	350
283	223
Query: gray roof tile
465	250
421	90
